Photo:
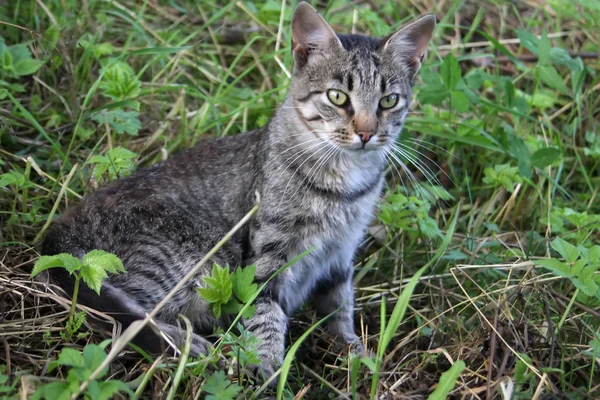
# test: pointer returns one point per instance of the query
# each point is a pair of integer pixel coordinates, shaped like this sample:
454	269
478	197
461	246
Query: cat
318	166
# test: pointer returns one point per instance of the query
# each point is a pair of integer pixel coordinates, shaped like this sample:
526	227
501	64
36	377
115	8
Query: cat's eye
337	97
388	101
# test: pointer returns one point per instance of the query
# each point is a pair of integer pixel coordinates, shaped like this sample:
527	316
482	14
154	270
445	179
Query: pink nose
365	136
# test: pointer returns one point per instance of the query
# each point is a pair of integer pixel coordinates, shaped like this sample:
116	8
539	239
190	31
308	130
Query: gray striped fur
319	185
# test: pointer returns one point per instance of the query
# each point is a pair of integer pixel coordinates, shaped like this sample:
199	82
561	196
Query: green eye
388	101
336	97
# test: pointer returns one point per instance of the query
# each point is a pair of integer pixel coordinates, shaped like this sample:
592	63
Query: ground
501	203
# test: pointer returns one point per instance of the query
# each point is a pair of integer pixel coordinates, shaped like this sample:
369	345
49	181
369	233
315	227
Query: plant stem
74	300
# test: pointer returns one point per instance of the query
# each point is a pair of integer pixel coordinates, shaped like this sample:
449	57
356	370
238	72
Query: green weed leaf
242	283
450	71
569	252
119	120
529	41
27	67
118	162
519	150
220	388
64	260
557	267
521	376
93	275
219	288
105	260
551	78
545	156
68	357
93	356
447	381
54	391
109	388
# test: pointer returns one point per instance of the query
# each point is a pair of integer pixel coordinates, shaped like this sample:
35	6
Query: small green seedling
229	292
116	163
81	368
93	268
579	266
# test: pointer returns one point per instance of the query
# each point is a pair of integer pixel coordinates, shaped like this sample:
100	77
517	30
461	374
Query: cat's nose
365	136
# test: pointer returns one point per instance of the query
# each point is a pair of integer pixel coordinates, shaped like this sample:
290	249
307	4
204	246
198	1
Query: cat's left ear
410	42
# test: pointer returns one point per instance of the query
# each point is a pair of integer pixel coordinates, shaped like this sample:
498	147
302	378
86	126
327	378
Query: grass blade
447	381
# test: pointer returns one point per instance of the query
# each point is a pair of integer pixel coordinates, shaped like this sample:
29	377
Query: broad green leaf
12	177
27	67
594	254
529	41
105	260
589	287
447	381
63	260
242	283
44	263
586	273
544	49
519	150
545	156
70	262
19	52
93	356
450	71
565	249
577	268
556	266
109	388
562	57
433	94
551	78
53	391
68	357
459	101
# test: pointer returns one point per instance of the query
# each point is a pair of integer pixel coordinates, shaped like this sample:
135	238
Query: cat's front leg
335	292
269	324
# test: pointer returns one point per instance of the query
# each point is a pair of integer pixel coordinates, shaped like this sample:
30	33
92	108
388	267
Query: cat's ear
311	35
410	42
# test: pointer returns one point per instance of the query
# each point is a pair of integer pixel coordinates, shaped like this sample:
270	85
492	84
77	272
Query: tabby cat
318	166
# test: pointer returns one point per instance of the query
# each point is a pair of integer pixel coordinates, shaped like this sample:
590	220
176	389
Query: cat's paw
264	372
354	343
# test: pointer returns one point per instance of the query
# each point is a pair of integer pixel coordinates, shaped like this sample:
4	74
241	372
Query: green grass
503	135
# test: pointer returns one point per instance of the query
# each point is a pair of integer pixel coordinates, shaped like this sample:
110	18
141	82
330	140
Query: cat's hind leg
116	303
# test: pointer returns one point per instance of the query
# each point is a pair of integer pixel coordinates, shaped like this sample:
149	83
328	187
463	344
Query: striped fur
319	184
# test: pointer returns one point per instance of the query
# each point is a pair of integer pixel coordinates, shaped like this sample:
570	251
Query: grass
503	139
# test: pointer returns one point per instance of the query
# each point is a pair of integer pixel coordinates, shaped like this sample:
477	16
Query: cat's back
205	185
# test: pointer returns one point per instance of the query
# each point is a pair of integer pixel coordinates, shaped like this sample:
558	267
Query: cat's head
354	91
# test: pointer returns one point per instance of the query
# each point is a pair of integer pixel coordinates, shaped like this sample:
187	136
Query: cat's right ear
311	35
